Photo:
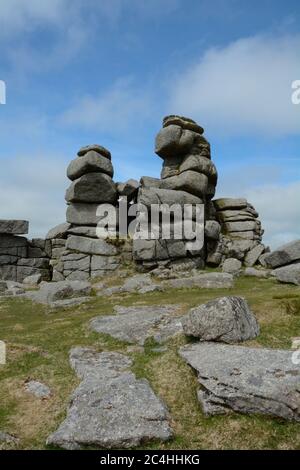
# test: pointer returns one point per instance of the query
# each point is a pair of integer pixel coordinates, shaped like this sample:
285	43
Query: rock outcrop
19	257
111	408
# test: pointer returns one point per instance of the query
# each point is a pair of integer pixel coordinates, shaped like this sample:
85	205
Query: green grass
39	341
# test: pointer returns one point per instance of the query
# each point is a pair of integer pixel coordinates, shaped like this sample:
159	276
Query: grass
38	343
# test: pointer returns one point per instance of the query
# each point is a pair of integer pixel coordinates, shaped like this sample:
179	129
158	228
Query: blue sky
107	71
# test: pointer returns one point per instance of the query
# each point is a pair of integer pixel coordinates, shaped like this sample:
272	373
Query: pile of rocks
19	257
241	233
188	177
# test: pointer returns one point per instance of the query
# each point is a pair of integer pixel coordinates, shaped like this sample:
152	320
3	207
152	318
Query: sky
107	72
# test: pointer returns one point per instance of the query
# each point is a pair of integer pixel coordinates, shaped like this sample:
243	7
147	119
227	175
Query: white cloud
115	110
32	188
243	88
276	202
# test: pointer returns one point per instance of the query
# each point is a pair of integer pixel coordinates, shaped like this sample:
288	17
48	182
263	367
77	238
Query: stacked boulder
20	258
241	233
80	254
188	176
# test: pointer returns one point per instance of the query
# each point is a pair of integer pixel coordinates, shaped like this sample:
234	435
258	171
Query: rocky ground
57	350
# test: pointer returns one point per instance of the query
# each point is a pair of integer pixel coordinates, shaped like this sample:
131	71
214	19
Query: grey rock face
245	226
14	227
58	232
110	408
227	319
203	281
50	292
91	162
136	324
245	380
90	246
38	389
148	182
286	254
92	187
94	148
84	231
288	274
231	266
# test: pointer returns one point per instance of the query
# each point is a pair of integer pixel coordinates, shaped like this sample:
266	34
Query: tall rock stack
84	254
188	177
241	232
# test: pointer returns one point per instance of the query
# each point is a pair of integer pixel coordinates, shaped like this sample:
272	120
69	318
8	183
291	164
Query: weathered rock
90	246
92	187
245	226
91	162
230	203
84	231
231	266
203	281
83	214
173	140
253	255
136	324
60	231
129	188
33	280
137	282
166	196
38	389
184	122
148	182
50	292
14	227
288	274
245	380
189	181
227	319
100	265
212	230
94	148
110	408
262	273
284	255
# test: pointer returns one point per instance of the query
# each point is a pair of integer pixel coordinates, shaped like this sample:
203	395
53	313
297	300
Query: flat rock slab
203	281
284	255
14	227
245	380
38	389
110	408
136	324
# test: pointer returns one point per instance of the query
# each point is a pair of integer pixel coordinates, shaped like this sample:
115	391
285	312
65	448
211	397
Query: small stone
232	266
38	389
